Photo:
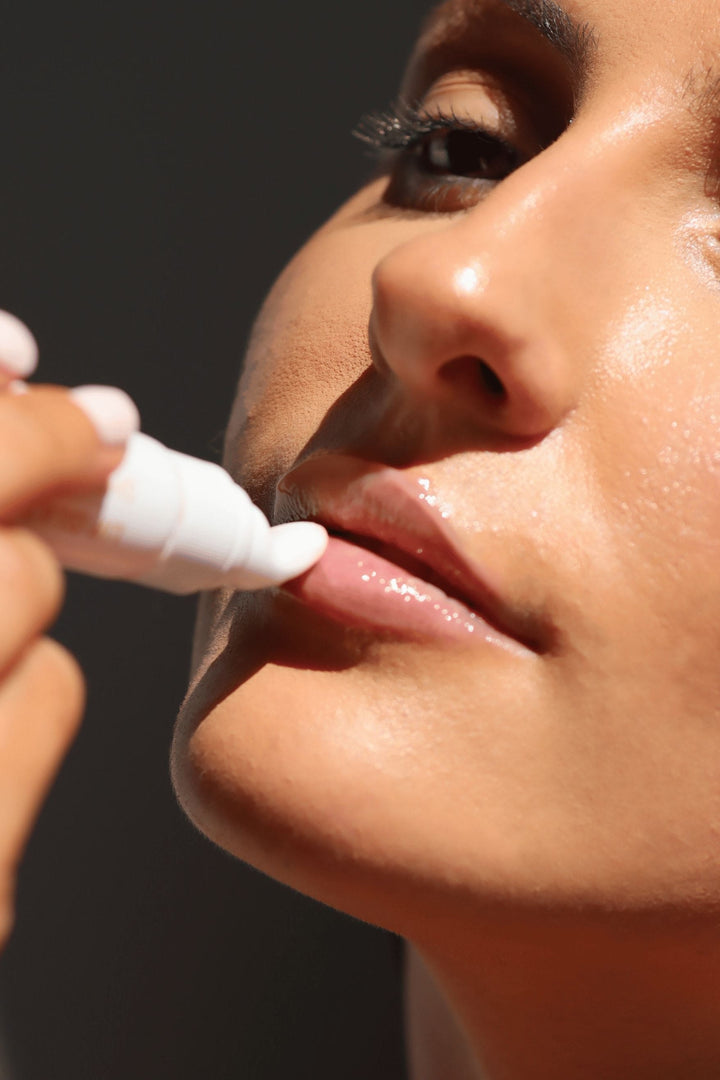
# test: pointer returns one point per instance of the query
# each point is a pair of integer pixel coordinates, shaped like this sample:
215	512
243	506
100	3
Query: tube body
174	522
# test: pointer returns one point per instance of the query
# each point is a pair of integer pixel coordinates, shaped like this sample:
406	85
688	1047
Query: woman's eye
449	170
437	164
471	154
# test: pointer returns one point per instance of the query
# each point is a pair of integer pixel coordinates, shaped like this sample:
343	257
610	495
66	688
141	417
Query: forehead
677	42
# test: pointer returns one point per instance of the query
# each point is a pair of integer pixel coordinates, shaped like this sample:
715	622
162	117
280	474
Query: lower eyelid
436	195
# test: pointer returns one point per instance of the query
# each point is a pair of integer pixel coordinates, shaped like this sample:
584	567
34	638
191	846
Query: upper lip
383	510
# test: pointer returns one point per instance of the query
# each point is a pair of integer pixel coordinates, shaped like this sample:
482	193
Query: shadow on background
161	163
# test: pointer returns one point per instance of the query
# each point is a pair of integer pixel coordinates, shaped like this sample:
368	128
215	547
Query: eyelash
404	139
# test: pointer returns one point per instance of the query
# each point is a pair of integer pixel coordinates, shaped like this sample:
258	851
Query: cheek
650	435
661	473
652	448
308	345
305	350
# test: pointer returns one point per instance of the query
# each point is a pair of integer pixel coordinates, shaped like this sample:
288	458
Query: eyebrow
577	41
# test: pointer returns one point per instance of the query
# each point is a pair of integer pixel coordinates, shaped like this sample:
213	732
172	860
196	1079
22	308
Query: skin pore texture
535	808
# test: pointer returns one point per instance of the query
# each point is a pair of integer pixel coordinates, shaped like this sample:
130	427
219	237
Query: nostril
490	381
468	373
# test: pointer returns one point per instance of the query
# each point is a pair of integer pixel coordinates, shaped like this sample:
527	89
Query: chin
363	820
413	790
266	781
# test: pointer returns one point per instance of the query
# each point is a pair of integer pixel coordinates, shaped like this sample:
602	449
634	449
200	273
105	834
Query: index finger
51	442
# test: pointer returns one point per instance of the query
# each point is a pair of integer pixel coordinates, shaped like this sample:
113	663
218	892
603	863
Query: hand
47	444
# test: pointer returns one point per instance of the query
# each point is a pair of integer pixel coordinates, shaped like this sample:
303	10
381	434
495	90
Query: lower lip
358	588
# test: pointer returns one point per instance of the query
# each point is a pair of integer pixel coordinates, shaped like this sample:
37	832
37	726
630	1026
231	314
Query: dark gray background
160	162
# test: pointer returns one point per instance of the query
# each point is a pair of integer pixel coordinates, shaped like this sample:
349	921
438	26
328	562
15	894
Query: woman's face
494	375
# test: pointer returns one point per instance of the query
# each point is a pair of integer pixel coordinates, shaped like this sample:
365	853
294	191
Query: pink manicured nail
110	409
18	348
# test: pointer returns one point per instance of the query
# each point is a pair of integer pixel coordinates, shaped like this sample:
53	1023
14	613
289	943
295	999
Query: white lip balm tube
176	523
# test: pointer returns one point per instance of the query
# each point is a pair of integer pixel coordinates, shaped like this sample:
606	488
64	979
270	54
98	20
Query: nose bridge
585	193
515	284
550	232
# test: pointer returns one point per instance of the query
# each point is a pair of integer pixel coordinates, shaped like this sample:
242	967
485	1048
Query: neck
559	1002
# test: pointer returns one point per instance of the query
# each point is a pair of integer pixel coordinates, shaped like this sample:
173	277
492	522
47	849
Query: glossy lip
385	523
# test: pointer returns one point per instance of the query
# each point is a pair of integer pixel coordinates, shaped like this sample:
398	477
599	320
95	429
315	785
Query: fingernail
112	412
17	386
18	348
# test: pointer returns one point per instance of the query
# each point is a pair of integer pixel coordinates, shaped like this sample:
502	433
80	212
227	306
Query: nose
483	314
